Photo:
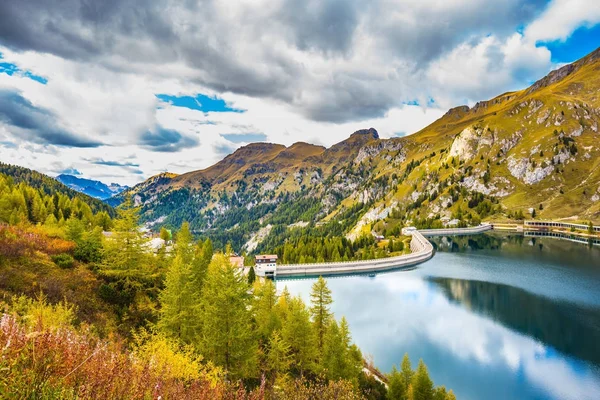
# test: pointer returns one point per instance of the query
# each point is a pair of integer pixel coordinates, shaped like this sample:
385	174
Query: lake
494	316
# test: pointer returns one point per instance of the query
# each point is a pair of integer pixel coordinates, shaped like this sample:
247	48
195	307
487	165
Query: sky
120	90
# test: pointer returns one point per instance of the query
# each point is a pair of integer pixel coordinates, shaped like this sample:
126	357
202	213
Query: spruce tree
226	336
251	276
320	299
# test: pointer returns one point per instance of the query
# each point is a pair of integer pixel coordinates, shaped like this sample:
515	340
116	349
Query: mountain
51	186
534	152
91	187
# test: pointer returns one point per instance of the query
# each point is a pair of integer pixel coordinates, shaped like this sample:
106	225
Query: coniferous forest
89	311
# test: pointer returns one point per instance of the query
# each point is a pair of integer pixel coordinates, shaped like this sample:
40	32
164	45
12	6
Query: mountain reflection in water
567	327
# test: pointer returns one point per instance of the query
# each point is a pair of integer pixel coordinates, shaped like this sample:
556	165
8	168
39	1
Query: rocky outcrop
523	170
469	141
374	150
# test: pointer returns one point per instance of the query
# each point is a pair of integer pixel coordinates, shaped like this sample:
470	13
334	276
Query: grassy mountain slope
537	149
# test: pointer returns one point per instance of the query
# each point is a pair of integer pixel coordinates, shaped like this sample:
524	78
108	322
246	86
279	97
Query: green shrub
63	260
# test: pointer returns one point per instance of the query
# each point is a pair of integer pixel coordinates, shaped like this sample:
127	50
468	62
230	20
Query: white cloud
561	18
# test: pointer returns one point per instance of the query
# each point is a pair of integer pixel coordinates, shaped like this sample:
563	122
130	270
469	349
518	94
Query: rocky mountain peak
370	131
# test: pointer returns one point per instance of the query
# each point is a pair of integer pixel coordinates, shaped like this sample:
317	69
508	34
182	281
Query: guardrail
421	250
456	231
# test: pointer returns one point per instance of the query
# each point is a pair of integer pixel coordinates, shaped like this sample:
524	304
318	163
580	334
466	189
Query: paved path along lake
494	316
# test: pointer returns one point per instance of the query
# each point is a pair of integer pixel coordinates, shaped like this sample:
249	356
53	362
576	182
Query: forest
86	314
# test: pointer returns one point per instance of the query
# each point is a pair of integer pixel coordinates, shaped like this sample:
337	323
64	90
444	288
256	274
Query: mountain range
533	153
96	189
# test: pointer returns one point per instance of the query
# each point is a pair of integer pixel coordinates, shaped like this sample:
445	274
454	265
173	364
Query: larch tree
178	313
299	335
341	359
184	244
406	370
226	335
278	356
320	310
126	248
422	385
263	303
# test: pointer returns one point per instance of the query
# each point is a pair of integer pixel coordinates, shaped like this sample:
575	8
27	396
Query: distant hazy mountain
91	187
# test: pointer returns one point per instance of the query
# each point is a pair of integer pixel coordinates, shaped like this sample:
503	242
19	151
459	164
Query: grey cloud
111	163
37	124
223	149
244	137
236	54
321	25
166	140
127	166
428	32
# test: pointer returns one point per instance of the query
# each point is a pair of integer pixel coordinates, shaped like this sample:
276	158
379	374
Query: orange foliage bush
17	241
65	364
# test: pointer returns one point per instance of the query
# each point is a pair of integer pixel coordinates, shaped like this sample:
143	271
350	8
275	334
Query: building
549	225
266	265
237	261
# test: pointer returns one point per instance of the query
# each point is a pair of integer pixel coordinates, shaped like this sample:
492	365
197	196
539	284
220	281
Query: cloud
561	18
71	171
330	60
37	124
111	163
130	167
244	137
166	140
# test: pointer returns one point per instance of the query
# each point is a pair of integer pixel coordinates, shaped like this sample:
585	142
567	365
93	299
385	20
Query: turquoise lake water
494	316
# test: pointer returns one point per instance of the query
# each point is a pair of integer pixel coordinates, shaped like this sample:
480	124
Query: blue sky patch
200	103
244	137
581	42
11	69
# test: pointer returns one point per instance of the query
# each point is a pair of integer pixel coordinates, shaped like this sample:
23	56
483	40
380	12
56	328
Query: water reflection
493	316
567	327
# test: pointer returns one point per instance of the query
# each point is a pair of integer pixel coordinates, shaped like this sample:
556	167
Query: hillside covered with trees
93	315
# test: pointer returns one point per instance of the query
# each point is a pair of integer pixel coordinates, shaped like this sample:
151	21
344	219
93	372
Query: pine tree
421	383
226	336
320	299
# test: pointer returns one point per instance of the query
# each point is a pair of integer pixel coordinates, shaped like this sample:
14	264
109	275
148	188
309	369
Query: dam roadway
421	251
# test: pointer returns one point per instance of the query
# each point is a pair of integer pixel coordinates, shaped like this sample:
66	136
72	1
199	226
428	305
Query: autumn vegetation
87	315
